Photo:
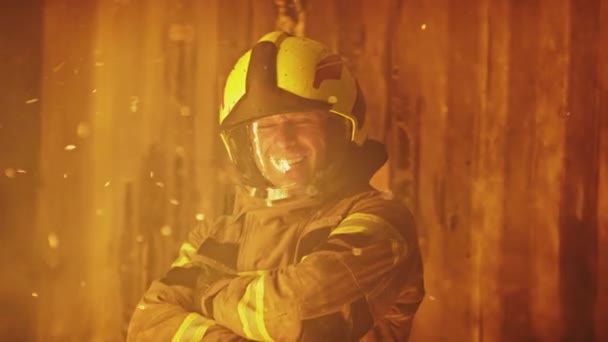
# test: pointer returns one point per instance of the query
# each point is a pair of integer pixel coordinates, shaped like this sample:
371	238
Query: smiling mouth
285	164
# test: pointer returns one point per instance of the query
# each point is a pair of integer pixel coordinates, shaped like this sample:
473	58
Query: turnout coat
343	268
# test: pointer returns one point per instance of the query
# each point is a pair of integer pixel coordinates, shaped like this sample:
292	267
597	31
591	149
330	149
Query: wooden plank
601	305
379	20
372	67
488	188
320	22
547	166
122	107
150	101
181	50
417	109
208	148
64	204
350	31
578	206
234	24
21	66
405	102
465	98
515	268
263	18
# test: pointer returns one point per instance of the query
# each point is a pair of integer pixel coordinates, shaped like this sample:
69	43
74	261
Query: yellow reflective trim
368	217
200	331
259	309
378	220
181	261
349	230
253	303
193	328
186	250
242	310
253	273
184	326
187	247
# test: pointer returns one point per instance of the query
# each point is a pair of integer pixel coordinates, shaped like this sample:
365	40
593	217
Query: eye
266	126
304	121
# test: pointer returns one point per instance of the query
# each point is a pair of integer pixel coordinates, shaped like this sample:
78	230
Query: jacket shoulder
381	205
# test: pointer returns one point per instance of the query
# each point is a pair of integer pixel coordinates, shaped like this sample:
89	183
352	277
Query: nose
285	135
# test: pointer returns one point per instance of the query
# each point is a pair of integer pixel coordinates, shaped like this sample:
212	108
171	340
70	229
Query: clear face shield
289	155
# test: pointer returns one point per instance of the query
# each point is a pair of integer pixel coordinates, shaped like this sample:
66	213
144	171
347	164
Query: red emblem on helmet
330	68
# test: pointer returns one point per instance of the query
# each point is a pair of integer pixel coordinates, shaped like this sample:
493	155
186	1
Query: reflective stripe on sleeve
344	230
251	310
252	273
193	328
357	225
186	251
369	224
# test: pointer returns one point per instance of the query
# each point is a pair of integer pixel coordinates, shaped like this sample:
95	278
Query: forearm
166	313
274	305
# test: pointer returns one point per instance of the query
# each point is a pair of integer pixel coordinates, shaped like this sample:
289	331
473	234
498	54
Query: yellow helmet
284	74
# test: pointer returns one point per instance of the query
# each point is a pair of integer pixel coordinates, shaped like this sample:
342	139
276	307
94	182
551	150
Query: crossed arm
359	260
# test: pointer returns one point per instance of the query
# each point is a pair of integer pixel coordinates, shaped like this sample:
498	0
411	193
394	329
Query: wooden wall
20	67
495	114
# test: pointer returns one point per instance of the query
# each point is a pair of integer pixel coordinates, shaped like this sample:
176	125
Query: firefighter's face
290	148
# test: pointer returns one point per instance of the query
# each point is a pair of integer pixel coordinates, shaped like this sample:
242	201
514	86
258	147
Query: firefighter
312	252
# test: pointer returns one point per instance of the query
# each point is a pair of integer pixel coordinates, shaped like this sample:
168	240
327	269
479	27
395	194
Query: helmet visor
291	151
